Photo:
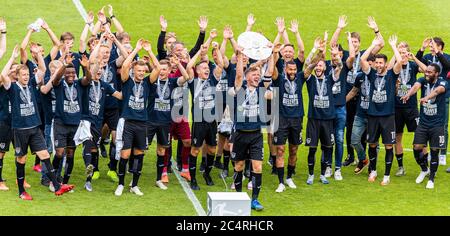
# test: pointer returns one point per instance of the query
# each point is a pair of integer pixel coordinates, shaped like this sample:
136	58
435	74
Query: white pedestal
228	204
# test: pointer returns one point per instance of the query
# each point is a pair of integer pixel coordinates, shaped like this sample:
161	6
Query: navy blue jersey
68	102
5	106
203	93
24	106
159	102
321	100
247	110
110	76
340	86
351	74
48	102
363	98
93	101
432	114
429	58
281	64
382	93
407	79
290	95
135	99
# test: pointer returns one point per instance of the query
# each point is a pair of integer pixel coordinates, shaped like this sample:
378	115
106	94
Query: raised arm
219	61
162	38
2	37
351	50
85	32
422	67
191	64
373	25
184	75
336	62
212	35
239	71
156	66
40	62
398	58
279	21
101	19
317	57
342	23
23	46
87	78
227	35
313	51
114	20
442	59
365	66
275	54
5	81
250	22
426	43
122	49
300	45
124	72
203	24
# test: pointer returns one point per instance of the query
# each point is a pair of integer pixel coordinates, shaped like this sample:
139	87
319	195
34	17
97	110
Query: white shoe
161	185
51	187
323	179
372	176
328	172
422	176
400	172
442	160
338	175
386	180
88	186
430	184
119	190
250	185
280	188
232	186
290	183
310	180
136	191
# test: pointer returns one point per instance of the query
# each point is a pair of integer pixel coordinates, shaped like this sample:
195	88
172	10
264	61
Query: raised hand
84	61
213	34
325	36
2	25
101	16
203	23
110	10
372	24
163	23
277	47
294	26
146	46
139	44
426	42
251	19
280	24
204	49
393	40
44	25
90	17
69	58
342	23
16	52
334	51
227	32
317	42
377	41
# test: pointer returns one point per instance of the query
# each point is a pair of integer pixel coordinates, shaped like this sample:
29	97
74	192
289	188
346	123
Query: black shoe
179	166
202	167
45	182
103	151
208	179
348	161
194	185
218	164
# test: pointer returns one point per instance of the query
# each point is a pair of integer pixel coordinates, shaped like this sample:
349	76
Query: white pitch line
187	189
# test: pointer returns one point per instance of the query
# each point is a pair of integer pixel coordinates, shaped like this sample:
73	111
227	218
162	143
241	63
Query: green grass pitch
412	21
